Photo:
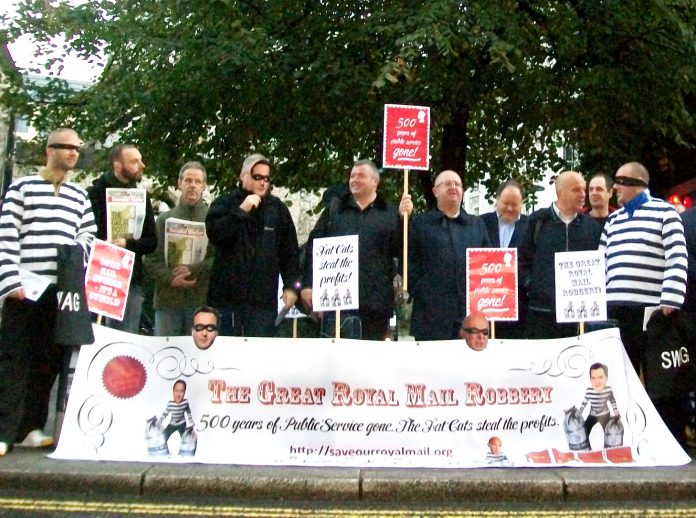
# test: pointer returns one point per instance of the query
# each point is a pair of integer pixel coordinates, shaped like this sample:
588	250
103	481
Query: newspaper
185	242
125	213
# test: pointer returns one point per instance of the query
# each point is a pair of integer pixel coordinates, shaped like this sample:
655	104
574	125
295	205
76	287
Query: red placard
107	279
492	282
406	137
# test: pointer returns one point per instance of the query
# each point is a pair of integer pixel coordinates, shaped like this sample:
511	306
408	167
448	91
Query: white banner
323	402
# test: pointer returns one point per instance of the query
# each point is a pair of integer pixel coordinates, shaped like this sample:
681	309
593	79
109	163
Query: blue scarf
636	202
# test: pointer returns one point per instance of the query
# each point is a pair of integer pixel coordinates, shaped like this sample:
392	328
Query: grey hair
370	165
193	164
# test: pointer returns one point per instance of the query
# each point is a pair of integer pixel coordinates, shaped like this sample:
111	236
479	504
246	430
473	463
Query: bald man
437	260
562	227
474	331
39	213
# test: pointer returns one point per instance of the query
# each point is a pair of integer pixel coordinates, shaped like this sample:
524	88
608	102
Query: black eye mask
629	182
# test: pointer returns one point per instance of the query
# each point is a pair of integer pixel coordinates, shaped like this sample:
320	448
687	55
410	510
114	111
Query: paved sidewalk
31	472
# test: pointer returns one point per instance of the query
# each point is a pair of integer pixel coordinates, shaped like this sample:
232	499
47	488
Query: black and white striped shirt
600	402
178	412
35	219
646	255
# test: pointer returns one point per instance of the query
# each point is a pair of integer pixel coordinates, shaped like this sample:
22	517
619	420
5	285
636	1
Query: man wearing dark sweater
126	170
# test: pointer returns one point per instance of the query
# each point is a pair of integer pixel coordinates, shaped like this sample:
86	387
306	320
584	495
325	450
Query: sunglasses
475	331
629	182
261	177
71	147
211	328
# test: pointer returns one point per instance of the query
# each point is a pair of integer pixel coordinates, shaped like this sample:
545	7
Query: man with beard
180	288
126	171
39	213
255	240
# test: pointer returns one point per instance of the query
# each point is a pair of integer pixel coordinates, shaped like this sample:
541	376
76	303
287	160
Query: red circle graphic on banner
124	377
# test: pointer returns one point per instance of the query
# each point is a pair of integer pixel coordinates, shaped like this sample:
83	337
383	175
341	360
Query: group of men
253	242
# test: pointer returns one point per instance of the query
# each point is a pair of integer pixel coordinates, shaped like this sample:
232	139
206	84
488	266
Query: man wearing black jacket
506	228
377	223
255	240
560	228
126	171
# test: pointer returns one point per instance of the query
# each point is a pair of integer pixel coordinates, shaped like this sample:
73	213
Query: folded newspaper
185	242
125	213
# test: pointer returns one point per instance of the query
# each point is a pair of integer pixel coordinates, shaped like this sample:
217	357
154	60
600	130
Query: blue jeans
174	321
134	310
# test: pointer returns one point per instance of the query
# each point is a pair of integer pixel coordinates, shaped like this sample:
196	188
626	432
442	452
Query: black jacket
147	243
689	221
379	244
251	248
491	221
437	270
546	235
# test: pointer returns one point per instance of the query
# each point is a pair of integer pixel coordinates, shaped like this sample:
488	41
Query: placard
406	137
581	287
492	282
107	279
335	273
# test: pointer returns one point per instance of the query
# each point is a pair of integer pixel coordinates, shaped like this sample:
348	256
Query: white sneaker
37	439
3	449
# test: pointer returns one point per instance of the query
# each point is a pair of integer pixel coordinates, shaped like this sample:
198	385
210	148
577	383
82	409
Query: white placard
581	286
335	273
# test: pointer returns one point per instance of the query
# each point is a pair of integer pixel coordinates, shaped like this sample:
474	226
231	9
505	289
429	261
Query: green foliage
508	83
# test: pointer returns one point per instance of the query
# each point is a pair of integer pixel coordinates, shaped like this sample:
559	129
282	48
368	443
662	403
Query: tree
509	83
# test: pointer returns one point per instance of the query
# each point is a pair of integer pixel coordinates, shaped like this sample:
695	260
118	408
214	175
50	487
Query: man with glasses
646	258
364	212
126	171
437	260
255	240
205	328
180	288
39	213
474	330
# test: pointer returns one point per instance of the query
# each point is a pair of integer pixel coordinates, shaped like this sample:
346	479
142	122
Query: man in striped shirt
646	258
39	213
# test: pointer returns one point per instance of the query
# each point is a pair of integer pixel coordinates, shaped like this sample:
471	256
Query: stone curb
31	471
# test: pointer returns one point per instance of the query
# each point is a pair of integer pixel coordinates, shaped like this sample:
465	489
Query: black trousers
630	320
248	320
30	361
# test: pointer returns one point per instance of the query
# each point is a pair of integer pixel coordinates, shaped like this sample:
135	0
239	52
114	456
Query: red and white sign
406	137
492	282
108	278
